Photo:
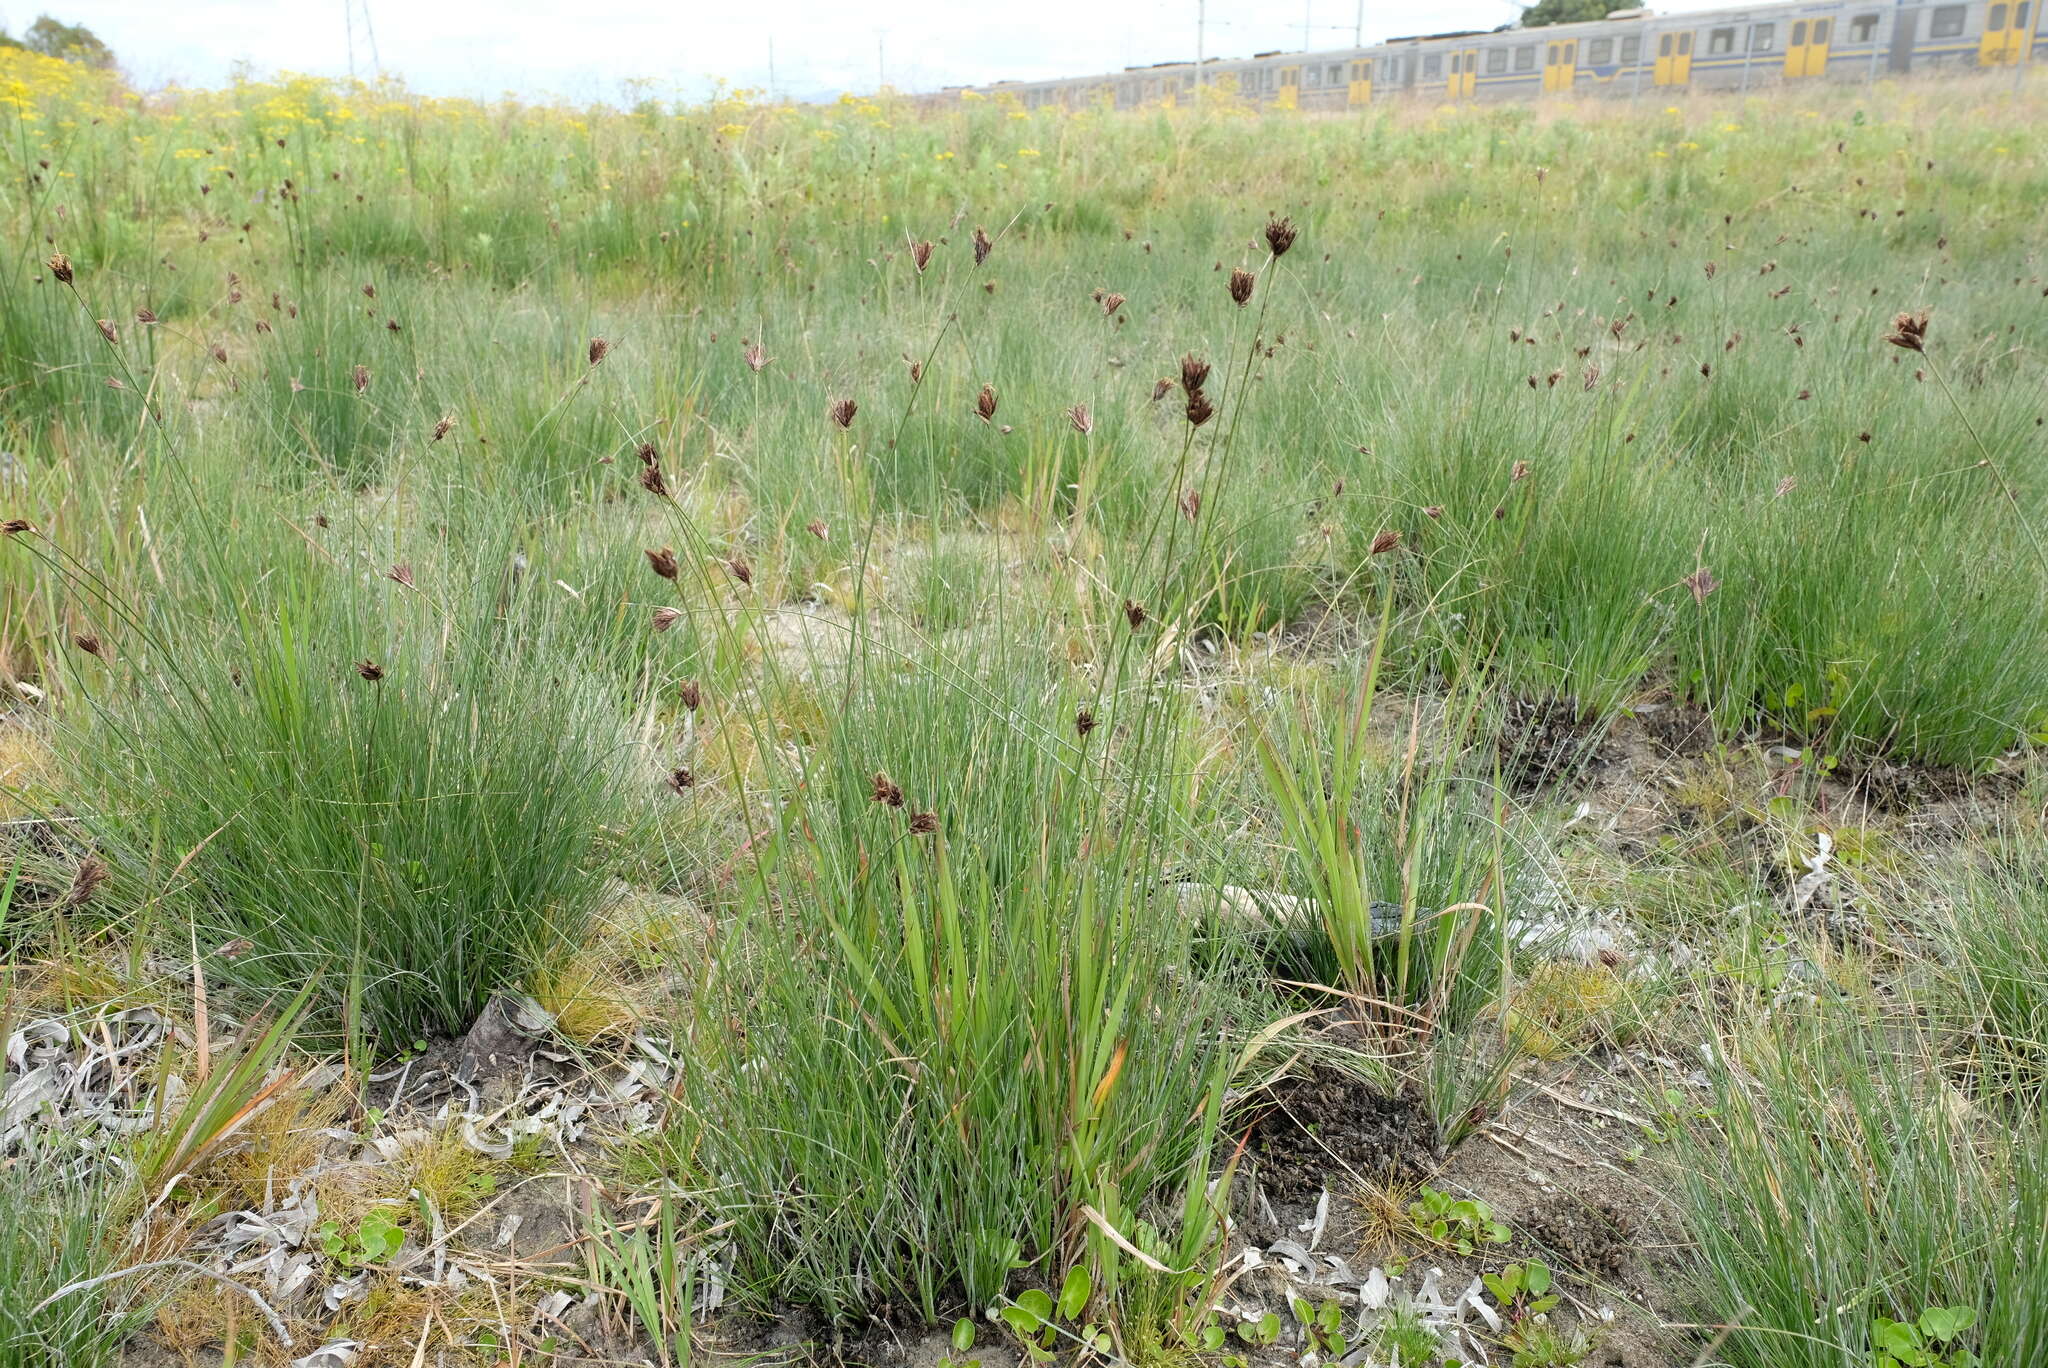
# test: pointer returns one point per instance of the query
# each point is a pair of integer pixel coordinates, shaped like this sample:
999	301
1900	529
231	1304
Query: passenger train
1630	52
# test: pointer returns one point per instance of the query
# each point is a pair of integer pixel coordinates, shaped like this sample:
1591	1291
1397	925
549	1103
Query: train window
1997	19
1720	42
1948	21
1631	50
1497	59
1761	36
1336	76
1525	57
1863	28
1315	76
1600	51
1432	67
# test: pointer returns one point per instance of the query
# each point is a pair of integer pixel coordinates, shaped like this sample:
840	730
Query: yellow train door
1360	90
1817	39
2005	33
1681	60
1471	72
1560	65
1807	55
1290	88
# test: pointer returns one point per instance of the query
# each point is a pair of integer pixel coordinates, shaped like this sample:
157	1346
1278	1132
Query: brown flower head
1134	613
1191	504
1280	234
14	527
1385	541
665	618
145	316
87	642
220	354
1084	722
1519	472
60	267
1194	372
680	778
401	575
663	562
362	378
651	481
599	349
1111	302
738	568
1433	512
816	527
369	291
985	404
85	881
369	669
442	428
647	453
1702	583
1241	283
1082	420
842	412
107	330
1160	389
756	356
1199	409
1909	330
982	245
884	790
921	255
924	823
692	694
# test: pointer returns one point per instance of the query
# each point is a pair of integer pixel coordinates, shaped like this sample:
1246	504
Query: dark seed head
680	778
924	823
1084	722
1134	613
60	267
842	411
1241	283
369	669
1194	372
665	618
1909	330
599	348
1280	233
884	790
663	562
985	404
982	246
85	881
692	694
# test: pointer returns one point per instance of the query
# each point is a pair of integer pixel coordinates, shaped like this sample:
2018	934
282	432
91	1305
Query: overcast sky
592	49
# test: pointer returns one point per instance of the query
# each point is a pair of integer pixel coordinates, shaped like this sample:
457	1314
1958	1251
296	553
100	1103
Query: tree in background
1564	12
54	38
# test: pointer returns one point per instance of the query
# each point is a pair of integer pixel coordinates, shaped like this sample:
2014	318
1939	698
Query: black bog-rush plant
386	788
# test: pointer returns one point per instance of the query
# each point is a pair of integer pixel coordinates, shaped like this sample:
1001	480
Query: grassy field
897	736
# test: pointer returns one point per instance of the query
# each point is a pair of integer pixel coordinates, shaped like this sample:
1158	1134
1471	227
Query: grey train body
1631	53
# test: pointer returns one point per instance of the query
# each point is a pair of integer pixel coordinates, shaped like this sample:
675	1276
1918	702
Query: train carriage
1627	54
